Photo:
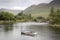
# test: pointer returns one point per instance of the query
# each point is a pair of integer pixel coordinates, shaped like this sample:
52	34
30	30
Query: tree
55	17
52	12
40	17
58	13
51	15
30	16
20	13
6	16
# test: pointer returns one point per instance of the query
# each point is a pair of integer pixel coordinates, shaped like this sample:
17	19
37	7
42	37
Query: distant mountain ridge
43	8
15	12
55	2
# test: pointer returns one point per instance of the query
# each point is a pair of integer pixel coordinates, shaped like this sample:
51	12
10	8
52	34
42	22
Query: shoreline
55	26
6	22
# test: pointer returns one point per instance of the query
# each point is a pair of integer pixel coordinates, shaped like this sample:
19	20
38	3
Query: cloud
20	4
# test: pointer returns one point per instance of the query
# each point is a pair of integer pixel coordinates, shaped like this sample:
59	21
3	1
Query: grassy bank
6	22
12	21
55	26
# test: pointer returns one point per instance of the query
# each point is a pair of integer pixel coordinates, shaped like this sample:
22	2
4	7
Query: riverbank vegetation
54	18
7	17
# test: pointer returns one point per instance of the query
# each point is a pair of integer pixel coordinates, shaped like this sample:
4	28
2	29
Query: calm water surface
12	32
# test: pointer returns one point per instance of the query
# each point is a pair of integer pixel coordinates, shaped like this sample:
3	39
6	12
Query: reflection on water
7	27
12	32
55	33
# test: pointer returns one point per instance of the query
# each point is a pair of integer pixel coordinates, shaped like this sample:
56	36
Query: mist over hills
43	8
15	12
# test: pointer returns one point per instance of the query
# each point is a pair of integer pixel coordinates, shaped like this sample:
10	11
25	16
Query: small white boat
29	33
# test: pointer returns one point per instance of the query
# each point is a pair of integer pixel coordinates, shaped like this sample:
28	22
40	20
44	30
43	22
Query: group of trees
54	16
40	19
6	16
22	16
10	16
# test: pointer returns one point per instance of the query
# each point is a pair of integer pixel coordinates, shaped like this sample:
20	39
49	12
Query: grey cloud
20	3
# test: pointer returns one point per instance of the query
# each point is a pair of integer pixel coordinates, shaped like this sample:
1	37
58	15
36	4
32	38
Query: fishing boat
29	33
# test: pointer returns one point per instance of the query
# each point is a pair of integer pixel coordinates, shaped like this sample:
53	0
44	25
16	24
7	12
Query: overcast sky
20	4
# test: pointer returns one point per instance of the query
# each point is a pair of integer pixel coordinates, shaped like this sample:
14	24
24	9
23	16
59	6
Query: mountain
37	10
42	9
55	3
15	12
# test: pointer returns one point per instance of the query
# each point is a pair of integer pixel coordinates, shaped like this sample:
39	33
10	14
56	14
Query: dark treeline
54	16
54	19
6	16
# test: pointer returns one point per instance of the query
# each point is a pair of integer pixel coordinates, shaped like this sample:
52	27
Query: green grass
41	14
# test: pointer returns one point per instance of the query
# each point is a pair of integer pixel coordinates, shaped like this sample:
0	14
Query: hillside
55	3
42	9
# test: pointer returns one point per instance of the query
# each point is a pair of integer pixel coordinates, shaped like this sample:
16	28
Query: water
12	32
